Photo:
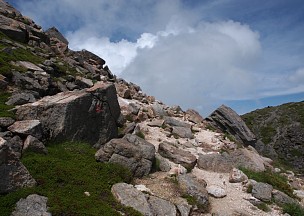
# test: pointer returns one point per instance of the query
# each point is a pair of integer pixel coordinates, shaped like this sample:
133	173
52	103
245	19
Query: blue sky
197	54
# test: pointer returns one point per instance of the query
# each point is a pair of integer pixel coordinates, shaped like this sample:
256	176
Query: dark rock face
131	151
13	173
88	115
229	121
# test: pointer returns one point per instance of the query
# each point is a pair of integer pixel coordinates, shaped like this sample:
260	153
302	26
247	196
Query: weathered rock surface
174	122
183	132
178	156
13	173
6	122
129	196
229	121
20	99
33	144
262	191
281	198
225	162
191	186
131	151
88	115
27	127
33	205
216	191
194	116
16	144
161	207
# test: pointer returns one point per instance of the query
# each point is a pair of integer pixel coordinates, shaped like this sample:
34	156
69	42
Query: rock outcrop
230	122
88	115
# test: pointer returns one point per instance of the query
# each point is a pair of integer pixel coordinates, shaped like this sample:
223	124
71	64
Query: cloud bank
191	53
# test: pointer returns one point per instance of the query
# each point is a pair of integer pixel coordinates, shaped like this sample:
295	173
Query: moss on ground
4	109
64	175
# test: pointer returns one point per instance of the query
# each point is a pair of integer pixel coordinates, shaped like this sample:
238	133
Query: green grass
264	207
267	134
17	54
140	134
4	109
65	174
293	209
276	180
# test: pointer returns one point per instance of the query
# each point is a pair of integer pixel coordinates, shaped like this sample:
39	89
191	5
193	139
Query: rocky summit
77	140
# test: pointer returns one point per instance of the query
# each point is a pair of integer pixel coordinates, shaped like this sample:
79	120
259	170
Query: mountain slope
281	129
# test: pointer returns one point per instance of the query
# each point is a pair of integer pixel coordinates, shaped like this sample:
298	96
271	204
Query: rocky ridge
182	166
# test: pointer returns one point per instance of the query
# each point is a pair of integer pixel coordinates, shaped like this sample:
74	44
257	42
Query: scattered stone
183	207
229	121
237	176
20	99
129	196
33	205
131	151
83	82
158	109
162	163
143	188
33	144
194	116
226	161
13	173
161	207
16	144
299	193
262	191
156	123
28	65
178	156
281	198
6	122
174	122
27	127
191	186
216	191
183	132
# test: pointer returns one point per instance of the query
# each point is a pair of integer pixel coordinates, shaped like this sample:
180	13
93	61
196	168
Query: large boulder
13	173
178	156
244	157
33	205
88	115
161	207
189	185
129	196
131	151
262	191
229	121
27	127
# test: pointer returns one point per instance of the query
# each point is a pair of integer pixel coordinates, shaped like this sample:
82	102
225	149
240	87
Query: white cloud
167	48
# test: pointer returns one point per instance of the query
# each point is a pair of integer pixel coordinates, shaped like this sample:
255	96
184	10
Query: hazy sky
194	53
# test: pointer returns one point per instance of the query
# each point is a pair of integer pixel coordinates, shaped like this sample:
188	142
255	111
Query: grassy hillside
282	128
64	175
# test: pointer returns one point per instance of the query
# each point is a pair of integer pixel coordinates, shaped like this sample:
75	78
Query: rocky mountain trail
182	163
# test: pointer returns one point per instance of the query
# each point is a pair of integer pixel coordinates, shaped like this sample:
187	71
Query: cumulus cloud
185	52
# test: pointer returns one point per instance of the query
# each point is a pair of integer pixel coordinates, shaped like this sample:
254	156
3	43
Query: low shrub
293	209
